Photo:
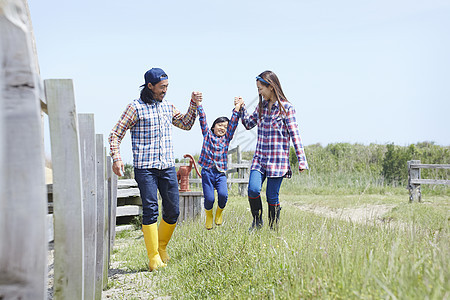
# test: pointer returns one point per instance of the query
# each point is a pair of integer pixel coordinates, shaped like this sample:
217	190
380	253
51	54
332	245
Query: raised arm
232	125
185	121
202	119
294	133
249	121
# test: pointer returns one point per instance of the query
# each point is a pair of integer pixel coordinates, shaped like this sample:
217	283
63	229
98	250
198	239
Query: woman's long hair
273	81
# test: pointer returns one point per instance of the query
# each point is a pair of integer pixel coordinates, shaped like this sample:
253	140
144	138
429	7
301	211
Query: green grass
310	257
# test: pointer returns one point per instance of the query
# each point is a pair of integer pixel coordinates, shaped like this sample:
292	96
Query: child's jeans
213	179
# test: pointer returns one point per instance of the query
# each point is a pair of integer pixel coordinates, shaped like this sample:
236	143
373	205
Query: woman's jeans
272	189
149	182
213	179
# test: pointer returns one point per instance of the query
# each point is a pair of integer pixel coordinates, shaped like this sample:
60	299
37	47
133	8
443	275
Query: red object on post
183	174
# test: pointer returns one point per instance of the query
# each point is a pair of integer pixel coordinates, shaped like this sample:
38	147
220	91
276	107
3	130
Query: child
213	161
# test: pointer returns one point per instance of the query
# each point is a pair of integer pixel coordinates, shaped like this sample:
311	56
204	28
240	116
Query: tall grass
309	257
400	255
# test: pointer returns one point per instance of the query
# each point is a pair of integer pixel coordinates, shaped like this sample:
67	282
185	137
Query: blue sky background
356	71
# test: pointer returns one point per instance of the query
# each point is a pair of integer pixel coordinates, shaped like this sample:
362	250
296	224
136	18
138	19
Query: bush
395	169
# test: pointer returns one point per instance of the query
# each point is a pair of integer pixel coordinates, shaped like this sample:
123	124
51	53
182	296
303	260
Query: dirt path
362	214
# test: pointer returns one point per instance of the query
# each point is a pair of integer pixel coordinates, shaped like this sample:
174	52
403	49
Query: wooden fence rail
415	180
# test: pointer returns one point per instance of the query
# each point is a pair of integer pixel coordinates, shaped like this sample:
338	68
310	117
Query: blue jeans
149	182
213	179
272	189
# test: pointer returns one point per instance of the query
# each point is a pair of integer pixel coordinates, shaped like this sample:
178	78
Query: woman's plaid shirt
215	149
274	131
151	132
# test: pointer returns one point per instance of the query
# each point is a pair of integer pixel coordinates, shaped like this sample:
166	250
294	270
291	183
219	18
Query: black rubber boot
274	216
257	211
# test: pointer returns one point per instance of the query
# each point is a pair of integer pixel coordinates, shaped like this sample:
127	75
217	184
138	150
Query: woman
275	117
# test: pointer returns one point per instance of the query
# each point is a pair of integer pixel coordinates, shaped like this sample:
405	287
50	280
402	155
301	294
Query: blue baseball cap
154	75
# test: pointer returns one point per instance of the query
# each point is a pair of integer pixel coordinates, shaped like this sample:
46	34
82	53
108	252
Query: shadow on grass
113	272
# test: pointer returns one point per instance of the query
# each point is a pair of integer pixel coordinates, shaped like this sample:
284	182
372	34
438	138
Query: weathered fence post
67	190
106	222
101	222
23	200
242	173
414	189
89	177
112	203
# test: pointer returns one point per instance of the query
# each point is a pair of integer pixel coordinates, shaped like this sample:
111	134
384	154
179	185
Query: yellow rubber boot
165	231
151	243
209	219
219	218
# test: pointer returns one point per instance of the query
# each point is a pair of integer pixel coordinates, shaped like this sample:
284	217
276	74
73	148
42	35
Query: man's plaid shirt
151	132
215	149
274	131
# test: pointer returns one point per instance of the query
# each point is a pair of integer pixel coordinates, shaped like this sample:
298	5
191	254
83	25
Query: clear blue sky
356	71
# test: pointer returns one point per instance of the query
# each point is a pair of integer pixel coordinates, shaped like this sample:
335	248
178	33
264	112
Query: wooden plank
239	154
414	189
40	88
197	205
190	211
23	202
89	178
111	222
125	193
128	210
191	193
67	190
112	228
50	228
195	180
238	180
126	183
182	206
239	165
430	166
430	181
101	205
124	227
130	201
106	227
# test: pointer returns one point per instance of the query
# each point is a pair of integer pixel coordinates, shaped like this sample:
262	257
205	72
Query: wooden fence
83	190
415	180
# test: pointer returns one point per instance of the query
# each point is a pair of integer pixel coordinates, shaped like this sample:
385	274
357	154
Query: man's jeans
151	180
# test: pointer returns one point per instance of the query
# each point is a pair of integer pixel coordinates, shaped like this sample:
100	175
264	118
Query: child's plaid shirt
274	131
151	132
215	149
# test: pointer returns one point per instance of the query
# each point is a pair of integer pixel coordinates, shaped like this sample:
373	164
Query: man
150	120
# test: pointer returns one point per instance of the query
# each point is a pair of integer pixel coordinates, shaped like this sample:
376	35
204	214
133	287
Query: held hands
197	97
238	102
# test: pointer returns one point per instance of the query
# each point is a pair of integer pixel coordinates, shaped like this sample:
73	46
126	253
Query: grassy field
398	251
